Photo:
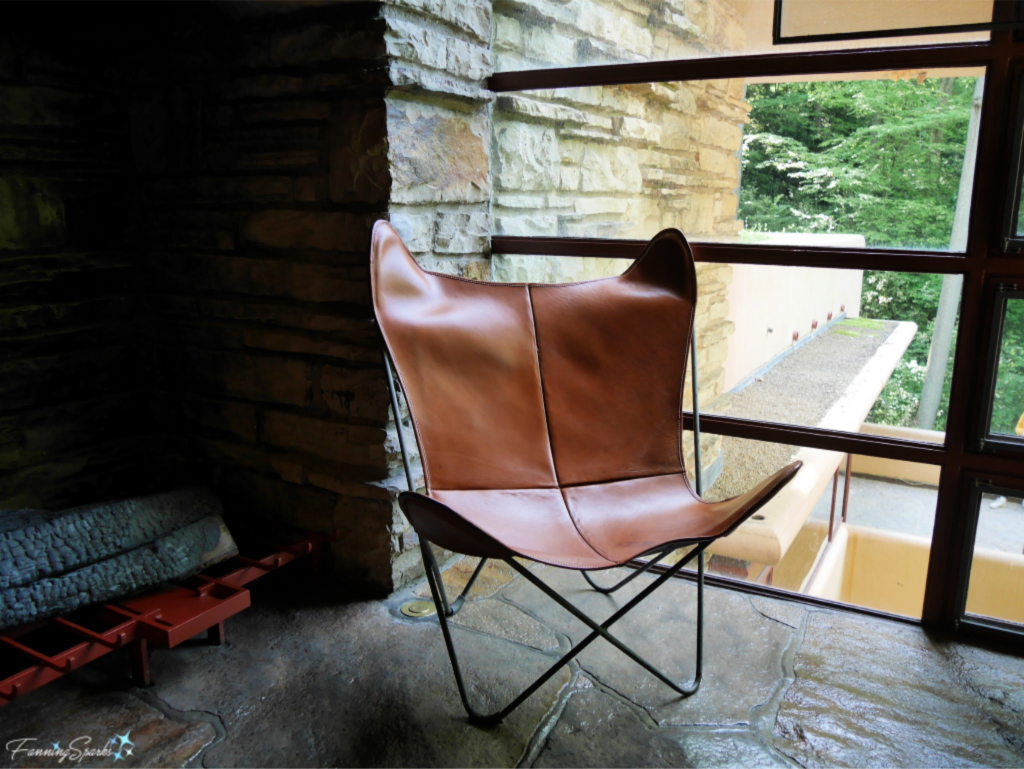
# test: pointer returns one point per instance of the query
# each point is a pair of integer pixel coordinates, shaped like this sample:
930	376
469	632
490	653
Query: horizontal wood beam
935	262
817	438
760	66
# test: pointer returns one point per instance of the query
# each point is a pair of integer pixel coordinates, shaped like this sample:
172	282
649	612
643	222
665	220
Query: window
1003	423
820	20
992	595
841	184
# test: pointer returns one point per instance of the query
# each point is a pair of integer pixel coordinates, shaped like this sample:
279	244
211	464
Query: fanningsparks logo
119	747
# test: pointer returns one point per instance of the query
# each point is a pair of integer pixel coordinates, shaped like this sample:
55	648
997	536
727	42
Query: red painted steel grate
34	655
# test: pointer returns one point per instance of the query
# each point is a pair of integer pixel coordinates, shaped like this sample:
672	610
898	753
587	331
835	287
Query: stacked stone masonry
186	286
74	412
623	161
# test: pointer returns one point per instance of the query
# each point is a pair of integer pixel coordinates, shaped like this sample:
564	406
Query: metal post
429	562
846	485
398	421
696	415
832	511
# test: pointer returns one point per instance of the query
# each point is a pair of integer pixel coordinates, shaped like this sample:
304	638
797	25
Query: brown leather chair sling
549	423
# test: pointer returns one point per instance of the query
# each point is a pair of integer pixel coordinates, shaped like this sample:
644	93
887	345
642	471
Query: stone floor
316	683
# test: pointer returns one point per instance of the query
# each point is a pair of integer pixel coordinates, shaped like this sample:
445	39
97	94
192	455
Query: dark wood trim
817	438
935	262
761	65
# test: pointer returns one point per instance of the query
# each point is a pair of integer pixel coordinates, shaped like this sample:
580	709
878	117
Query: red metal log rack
34	655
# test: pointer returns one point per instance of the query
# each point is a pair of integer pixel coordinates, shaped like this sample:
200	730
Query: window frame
960	457
779	39
1002	292
1012	242
977	624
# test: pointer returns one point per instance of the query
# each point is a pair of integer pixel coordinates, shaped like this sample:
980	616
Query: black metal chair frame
446	609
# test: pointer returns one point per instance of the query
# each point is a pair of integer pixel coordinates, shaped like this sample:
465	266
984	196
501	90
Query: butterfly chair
549	423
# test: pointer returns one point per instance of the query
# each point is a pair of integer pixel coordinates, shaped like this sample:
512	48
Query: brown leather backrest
517	386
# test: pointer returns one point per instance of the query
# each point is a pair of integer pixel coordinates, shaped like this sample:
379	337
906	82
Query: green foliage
1008	404
877	158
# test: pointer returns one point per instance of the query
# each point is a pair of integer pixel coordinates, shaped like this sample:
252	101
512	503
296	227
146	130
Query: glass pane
539	34
1008	394
877	557
873	160
840	349
828	17
996	586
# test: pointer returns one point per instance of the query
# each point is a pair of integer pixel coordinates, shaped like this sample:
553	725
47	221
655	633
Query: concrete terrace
306	683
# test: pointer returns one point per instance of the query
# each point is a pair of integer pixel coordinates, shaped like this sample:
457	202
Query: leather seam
618	480
689	343
580	529
547	424
543	393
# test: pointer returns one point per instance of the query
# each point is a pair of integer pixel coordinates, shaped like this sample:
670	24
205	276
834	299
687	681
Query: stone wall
74	411
438	127
190	301
256	235
623	161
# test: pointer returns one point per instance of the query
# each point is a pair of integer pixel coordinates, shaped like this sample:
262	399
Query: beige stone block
554	113
470	16
625	34
437	154
638	130
721	133
729	206
406	39
472	268
416	230
591	206
543	45
526	226
676	131
610	169
462	233
714	161
526	157
508	34
472	62
717	353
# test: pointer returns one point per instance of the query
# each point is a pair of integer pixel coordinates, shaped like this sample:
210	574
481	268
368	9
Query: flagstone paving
319	683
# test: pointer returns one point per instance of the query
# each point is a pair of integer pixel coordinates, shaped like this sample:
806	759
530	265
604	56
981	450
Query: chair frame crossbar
448	608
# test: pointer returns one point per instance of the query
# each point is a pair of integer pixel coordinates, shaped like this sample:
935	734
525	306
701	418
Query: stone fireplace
185	208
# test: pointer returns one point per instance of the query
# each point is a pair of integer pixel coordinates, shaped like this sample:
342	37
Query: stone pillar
438	132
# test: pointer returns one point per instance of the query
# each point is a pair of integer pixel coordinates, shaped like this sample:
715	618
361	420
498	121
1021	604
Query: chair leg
597	631
431	568
636	573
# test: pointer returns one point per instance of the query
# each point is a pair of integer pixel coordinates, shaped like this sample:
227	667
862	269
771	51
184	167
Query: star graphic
56	746
123	738
117	757
128	752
